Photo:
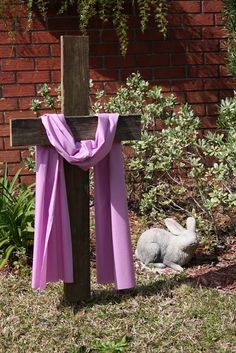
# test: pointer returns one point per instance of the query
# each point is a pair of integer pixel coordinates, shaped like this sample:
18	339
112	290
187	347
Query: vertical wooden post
75	92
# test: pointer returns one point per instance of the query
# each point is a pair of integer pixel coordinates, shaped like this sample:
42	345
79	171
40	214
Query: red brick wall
189	63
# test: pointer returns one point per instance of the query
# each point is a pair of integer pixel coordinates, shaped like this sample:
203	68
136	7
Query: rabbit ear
191	224
173	226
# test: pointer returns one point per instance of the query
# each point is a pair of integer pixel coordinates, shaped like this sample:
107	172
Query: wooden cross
75	95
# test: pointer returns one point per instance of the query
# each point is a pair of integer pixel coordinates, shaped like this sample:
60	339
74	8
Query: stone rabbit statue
173	249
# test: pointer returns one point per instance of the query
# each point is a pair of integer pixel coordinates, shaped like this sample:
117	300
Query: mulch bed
206	270
216	271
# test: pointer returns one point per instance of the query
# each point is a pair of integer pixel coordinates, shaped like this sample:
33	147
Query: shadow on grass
162	286
214	278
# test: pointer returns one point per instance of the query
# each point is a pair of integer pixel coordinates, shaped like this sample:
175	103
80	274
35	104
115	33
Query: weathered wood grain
31	131
75	92
75	74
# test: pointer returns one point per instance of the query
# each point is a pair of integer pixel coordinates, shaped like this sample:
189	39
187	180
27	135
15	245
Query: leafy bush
176	169
48	100
16	218
227	113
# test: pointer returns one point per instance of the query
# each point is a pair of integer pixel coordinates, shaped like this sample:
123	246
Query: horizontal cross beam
31	131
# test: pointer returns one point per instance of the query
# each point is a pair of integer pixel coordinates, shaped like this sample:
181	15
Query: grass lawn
163	314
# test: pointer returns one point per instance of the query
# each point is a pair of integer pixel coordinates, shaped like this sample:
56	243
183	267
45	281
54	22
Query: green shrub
47	100
227	113
175	170
16	218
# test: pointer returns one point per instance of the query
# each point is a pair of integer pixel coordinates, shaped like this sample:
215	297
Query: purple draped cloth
52	258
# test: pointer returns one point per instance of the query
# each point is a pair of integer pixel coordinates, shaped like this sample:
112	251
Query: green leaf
3	242
5	255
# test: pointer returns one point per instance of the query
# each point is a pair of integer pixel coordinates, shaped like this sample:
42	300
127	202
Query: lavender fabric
52	258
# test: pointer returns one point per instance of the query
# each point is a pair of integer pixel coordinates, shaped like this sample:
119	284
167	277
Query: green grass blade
12	183
4	177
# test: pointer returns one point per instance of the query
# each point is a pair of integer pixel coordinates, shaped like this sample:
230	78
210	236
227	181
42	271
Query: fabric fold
52	259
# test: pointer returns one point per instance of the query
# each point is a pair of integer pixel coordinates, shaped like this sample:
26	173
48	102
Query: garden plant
85	10
176	169
16	220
